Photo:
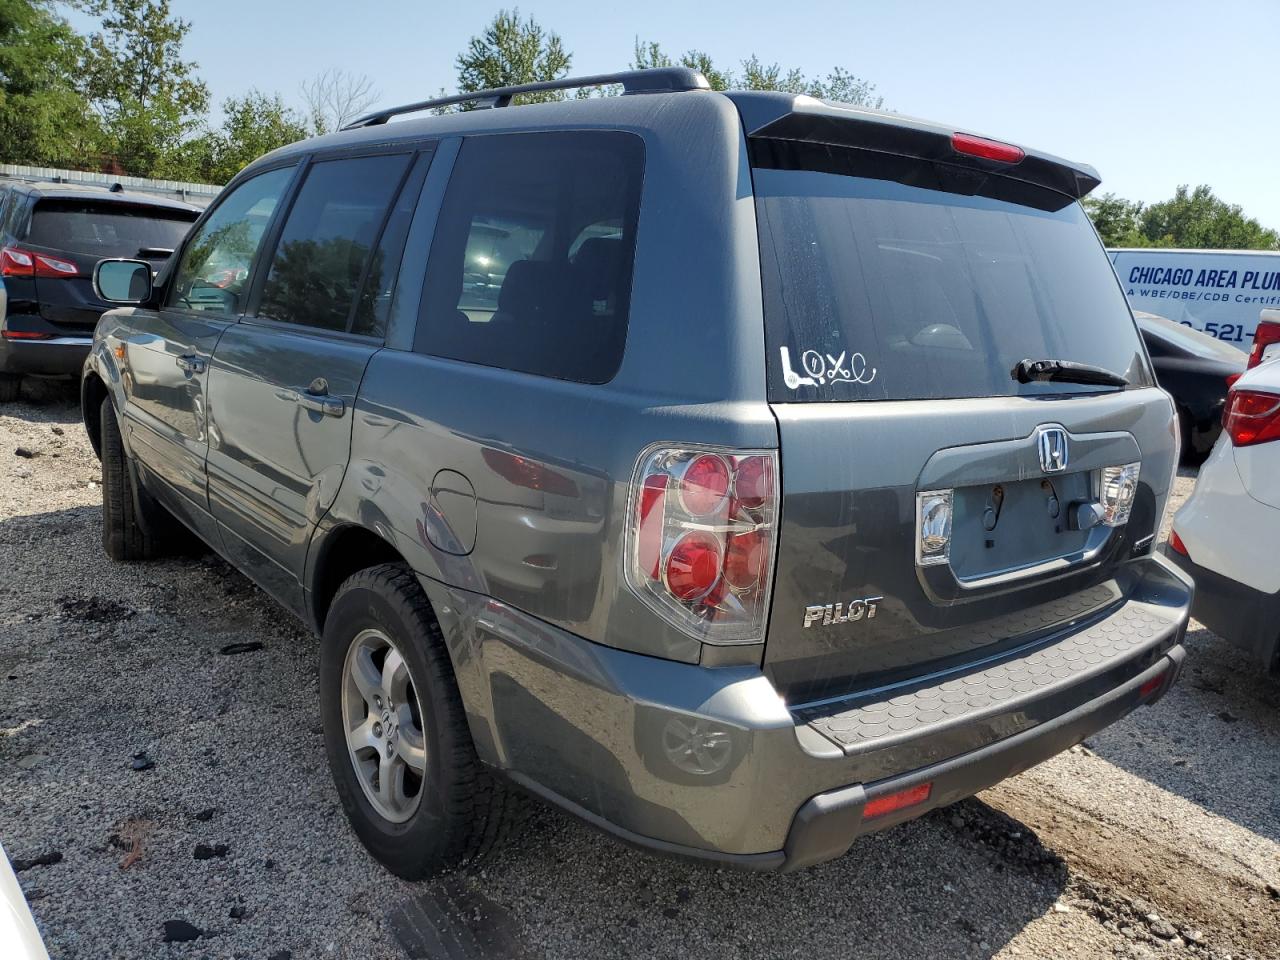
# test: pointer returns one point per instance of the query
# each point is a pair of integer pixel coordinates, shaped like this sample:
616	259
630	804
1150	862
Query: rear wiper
1066	371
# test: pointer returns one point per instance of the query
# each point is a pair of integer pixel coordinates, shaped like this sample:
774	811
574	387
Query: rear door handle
190	363
323	403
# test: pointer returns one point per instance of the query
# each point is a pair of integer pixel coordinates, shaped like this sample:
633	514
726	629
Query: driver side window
213	276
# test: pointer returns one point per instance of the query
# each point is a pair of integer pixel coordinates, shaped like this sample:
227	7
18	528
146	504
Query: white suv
1227	533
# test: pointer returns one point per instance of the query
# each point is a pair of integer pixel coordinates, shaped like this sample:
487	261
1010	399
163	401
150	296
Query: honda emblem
1053	449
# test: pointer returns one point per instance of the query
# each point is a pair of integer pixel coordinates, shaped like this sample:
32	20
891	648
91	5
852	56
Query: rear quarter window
530	268
897	279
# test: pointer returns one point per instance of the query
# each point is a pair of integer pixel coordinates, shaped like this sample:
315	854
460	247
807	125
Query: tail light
1251	417
700	538
15	262
1176	544
1268	332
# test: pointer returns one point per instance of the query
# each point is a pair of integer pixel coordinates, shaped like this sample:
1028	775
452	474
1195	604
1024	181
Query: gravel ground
1158	838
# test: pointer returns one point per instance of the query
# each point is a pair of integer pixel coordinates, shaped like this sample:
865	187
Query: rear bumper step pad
965	710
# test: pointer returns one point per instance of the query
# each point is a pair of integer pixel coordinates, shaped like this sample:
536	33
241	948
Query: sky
1153	93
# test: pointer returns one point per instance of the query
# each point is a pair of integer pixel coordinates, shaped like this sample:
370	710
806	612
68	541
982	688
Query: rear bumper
60	356
1240	614
827	824
710	763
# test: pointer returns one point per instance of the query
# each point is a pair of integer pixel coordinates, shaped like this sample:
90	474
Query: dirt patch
1131	876
93	609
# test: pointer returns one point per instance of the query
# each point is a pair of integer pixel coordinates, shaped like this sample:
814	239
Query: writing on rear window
823	368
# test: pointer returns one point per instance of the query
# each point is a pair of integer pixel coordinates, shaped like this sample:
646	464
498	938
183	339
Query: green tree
513	50
1196	218
650	54
1116	220
150	99
252	125
839	85
44	118
1191	219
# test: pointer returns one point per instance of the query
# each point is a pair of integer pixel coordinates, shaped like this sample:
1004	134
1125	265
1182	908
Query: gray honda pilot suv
741	472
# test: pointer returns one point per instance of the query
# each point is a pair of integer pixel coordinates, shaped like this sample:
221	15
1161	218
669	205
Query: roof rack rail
654	80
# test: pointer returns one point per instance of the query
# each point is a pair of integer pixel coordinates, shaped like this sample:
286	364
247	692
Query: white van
1220	292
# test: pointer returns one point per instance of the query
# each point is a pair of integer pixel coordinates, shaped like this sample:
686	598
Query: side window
213	275
328	240
530	268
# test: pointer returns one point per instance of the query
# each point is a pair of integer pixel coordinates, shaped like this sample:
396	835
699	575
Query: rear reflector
897	801
1152	685
24	335
986	149
1176	544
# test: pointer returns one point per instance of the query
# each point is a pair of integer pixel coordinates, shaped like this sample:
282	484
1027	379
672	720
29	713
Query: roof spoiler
805	118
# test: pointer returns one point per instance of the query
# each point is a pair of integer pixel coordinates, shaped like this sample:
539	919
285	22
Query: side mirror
122	281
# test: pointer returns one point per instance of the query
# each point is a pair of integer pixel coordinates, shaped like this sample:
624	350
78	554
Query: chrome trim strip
84	341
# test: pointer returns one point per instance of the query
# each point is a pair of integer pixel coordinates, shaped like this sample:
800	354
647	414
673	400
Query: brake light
15	262
986	149
1251	417
892	802
700	539
1232	378
1268	332
1176	544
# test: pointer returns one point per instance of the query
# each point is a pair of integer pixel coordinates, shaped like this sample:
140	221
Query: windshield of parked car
889	278
107	229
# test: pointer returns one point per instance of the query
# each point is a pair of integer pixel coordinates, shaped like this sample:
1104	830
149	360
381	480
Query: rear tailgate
82	232
900	293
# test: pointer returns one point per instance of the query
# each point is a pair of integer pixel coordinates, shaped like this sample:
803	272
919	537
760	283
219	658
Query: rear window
106	229
888	278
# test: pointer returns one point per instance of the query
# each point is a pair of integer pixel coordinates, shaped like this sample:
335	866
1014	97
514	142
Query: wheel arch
93	390
338	552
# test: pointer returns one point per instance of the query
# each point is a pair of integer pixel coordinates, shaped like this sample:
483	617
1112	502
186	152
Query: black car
1194	368
51	235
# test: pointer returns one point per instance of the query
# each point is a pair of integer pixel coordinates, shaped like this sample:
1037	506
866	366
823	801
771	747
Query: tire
10	387
124	537
459	812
